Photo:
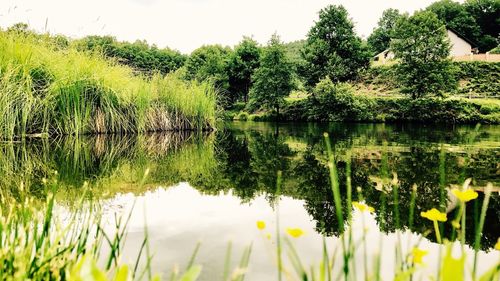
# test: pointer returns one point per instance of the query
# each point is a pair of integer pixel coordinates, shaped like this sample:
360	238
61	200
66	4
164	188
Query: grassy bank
475	79
341	103
379	109
376	97
48	90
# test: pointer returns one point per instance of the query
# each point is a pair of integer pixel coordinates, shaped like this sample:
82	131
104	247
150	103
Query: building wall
459	47
479	57
461	50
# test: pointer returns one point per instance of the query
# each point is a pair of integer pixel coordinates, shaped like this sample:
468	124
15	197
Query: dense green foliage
331	52
476	80
45	90
477	20
455	16
487	16
333	49
422	47
138	55
437	110
241	66
339	103
273	80
381	36
479	78
294	52
331	102
210	63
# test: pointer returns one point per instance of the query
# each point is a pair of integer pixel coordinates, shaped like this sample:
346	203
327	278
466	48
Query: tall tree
333	50
487	15
273	80
422	46
210	63
241	66
454	15
380	39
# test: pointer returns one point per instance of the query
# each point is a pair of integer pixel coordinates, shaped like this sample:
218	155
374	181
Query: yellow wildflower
497	245
261	225
295	232
464	196
418	255
363	207
268	236
434	215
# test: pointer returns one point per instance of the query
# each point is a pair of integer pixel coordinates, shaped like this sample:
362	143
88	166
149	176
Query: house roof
461	36
383	52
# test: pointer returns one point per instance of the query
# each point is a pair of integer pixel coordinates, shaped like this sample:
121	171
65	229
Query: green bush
332	102
479	78
381	76
242	116
337	103
434	110
269	116
475	78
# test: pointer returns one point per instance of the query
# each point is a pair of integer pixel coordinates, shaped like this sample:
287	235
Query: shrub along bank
477	79
363	109
47	90
330	102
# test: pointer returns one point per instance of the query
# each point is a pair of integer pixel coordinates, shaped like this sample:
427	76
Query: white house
460	46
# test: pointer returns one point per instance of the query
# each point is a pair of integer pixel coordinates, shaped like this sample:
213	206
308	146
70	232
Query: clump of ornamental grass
48	90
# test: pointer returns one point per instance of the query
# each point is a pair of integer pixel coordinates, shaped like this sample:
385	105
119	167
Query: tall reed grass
48	90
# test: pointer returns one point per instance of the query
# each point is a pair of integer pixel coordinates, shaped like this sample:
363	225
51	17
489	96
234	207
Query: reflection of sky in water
180	216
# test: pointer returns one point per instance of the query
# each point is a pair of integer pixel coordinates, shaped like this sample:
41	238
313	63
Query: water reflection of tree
235	159
245	162
314	188
307	178
84	159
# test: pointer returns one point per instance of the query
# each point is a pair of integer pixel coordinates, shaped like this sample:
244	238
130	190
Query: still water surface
213	187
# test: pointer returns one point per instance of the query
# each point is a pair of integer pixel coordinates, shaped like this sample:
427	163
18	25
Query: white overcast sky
187	24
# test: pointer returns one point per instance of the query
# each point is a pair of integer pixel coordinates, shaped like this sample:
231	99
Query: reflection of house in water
462	49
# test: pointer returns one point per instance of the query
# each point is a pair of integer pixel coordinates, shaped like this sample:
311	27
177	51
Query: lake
212	188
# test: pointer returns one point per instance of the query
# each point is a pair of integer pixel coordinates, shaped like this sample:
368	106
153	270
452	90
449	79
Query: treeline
476	20
260	78
139	55
142	57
